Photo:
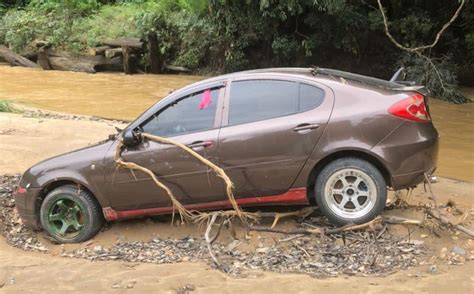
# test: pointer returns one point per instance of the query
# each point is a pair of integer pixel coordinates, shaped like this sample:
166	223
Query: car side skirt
295	196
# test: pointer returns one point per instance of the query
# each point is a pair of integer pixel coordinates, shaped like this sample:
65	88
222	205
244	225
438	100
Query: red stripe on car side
293	196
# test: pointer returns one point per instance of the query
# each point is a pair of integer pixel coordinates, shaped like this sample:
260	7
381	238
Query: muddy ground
26	140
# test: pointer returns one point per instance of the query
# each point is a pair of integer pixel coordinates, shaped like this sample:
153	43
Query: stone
458	250
433	268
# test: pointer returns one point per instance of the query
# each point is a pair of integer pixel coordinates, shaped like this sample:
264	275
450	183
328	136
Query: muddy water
109	95
124	97
455	124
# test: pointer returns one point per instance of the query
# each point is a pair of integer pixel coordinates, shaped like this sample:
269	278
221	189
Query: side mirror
130	138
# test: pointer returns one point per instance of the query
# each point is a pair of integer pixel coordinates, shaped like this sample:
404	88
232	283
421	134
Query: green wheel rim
66	218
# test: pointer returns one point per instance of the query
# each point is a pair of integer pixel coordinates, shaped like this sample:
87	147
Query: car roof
318	74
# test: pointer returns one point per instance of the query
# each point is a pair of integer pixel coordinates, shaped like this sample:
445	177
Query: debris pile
363	252
11	228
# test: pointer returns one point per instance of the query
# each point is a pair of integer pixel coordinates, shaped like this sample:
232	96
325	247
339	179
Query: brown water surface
109	95
119	96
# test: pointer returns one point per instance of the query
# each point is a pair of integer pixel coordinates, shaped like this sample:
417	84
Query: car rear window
257	100
310	97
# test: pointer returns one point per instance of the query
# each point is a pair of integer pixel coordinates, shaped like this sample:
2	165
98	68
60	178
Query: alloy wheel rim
350	193
66	218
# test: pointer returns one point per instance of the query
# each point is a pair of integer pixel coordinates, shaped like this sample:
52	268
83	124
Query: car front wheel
350	190
70	215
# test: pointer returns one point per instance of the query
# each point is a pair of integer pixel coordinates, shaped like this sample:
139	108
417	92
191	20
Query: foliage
5	106
419	70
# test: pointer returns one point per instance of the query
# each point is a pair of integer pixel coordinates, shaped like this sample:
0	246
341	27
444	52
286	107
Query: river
113	95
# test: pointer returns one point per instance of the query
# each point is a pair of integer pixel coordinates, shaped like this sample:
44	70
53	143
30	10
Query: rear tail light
412	108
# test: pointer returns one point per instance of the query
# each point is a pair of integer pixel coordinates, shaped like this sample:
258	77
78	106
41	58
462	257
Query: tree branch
420	48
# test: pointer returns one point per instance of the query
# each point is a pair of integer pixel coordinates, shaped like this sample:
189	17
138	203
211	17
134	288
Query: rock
232	245
458	250
98	249
433	269
443	253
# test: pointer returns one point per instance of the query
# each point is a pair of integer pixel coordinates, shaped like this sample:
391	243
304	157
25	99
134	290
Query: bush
5	106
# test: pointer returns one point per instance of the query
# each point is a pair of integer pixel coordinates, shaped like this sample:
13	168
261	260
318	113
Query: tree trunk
128	61
155	58
111	53
43	59
14	59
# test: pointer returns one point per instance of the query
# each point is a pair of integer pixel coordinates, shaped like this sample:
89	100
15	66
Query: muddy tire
350	190
71	216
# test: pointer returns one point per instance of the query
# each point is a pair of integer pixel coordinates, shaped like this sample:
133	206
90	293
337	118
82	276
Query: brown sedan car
284	136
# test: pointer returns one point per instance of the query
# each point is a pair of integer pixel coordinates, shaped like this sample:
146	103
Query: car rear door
193	120
270	127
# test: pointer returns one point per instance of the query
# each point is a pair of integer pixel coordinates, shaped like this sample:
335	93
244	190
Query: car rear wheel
70	215
350	190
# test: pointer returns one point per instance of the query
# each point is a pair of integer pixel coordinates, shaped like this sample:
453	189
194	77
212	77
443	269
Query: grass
6	106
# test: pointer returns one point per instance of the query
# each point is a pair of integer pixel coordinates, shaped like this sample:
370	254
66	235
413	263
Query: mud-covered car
297	136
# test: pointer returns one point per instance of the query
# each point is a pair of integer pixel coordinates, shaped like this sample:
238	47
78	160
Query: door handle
305	127
199	144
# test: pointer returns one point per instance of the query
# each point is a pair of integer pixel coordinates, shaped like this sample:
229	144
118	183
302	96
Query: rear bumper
410	152
26	206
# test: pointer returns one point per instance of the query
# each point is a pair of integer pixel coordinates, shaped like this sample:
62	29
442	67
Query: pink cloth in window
206	99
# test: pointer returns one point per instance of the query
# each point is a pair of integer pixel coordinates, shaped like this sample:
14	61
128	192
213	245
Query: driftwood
176	68
97	50
15	59
319	231
88	64
69	63
125	42
113	52
445	221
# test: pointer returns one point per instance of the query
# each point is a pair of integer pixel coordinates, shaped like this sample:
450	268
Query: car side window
188	114
310	97
256	100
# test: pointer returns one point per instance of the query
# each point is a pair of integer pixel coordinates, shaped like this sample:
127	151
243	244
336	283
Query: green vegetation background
228	35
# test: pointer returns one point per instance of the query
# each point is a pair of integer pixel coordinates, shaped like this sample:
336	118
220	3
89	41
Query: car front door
192	120
269	129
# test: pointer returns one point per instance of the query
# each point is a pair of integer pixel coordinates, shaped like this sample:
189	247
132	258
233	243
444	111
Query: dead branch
305	212
420	48
219	171
445	221
209	241
319	231
185	214
395	220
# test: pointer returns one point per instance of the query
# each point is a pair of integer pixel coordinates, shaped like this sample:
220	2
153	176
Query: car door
192	120
270	127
